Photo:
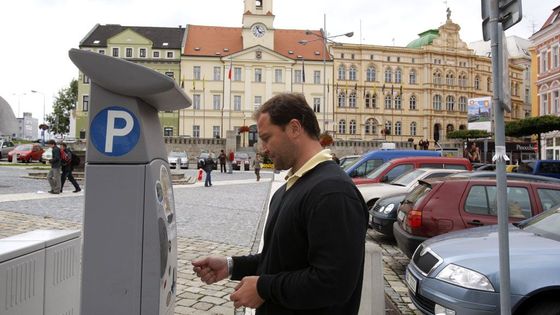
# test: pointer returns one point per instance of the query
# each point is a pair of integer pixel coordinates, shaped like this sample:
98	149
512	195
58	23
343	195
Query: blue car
549	168
458	273
373	159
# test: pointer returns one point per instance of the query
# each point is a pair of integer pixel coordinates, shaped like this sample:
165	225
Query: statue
448	13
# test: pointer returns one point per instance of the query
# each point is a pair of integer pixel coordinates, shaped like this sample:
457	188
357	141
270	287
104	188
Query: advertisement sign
480	109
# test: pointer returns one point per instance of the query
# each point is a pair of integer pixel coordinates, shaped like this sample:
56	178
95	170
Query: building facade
158	48
545	60
28	127
413	93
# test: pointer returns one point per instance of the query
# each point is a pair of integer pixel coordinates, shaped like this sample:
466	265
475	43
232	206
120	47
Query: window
297	76
115	52
217	73
341	56
352	73
450	128
388	75
555	102
129	53
482	200
437	102
142	54
367	100
342	126
101	51
412	77
258	75
437	78
168	131
388	101
352	100
341	72
216	102
317	77
388	127
341	99
543	62
398	102
278	75
196	101
215	131
413	128
489	84
258	102
450	79
85	79
236	74
352	128
450	103
412	102
196	131
370	126
477	83
549	198
397	171
555	57
237	103
196	72
370	74
170	74
155	54
398	128
374	101
462	104
398	75
544	105
169	54
85	103
352	56
317	104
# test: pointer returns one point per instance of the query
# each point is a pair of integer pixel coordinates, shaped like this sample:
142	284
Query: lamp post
44	114
326	39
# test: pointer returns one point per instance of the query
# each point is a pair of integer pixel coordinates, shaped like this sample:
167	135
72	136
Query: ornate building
412	93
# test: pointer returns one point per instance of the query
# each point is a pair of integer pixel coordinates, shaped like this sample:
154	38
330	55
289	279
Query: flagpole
223	103
230	87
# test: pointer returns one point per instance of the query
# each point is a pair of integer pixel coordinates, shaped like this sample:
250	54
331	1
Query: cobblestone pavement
218	220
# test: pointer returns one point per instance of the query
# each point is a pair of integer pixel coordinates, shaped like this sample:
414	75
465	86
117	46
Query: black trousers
67	173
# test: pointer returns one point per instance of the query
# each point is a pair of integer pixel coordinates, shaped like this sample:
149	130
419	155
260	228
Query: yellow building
418	92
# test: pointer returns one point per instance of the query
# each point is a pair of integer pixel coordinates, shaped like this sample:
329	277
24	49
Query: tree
467	134
533	126
65	102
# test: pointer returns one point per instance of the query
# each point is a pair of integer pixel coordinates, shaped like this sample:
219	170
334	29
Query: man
67	169
222	158
208	167
313	254
54	175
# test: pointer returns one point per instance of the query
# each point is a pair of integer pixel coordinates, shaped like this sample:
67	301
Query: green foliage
532	126
468	134
65	102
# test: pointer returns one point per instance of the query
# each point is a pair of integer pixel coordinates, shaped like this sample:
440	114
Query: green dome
426	38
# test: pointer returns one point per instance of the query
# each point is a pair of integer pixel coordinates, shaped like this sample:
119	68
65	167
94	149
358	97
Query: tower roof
426	38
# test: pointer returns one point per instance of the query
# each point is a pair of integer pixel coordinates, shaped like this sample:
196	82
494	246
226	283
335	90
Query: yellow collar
291	178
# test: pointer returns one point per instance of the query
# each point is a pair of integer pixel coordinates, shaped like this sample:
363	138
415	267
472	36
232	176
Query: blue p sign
115	131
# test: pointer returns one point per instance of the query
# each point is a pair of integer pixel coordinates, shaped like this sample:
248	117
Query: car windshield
177	154
242	156
376	172
349	161
418	193
407	178
546	225
203	155
24	147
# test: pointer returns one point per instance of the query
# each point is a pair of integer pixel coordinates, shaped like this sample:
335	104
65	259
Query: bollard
15	157
373	289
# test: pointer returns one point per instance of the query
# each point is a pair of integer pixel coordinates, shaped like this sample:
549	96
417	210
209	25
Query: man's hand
211	269
246	294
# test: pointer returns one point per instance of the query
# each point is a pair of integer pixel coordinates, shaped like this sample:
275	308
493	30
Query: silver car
5	147
458	273
180	159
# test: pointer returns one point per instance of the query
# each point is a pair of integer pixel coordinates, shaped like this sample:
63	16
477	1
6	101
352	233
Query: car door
548	198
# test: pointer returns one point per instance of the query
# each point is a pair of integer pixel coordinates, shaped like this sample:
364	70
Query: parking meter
129	262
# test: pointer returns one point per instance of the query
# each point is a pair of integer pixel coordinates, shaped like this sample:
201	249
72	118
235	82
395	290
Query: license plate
400	216
411	281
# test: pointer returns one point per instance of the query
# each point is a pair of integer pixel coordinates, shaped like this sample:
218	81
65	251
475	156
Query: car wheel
547	307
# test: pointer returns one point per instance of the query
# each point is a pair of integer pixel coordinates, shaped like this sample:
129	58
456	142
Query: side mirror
353	173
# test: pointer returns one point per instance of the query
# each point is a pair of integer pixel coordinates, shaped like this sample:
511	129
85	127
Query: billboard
480	113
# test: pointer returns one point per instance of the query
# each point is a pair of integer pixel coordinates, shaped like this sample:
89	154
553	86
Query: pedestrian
475	153
208	167
222	158
257	166
231	158
312	262
67	169
334	158
54	175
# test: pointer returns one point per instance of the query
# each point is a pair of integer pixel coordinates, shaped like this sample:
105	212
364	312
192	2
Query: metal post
325	107
500	157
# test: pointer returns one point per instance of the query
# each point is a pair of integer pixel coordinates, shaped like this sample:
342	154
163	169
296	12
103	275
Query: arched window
398	75
370	126
341	99
370	74
516	89
462	104
437	102
450	128
412	102
388	127
352	127
352	100
450	103
398	102
489	84
352	73
437	77
342	126
477	83
374	100
450	79
398	128
412	77
388	101
341	72
462	127
388	75
413	128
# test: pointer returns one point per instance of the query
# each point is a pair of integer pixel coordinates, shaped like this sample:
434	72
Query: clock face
258	30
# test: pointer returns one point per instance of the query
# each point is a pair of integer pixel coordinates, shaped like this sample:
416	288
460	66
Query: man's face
276	143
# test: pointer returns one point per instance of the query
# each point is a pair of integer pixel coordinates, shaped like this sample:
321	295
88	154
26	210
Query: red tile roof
210	40
552	18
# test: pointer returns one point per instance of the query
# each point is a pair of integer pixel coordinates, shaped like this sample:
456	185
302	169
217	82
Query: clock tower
257	24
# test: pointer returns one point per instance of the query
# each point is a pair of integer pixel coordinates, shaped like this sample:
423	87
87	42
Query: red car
26	152
440	206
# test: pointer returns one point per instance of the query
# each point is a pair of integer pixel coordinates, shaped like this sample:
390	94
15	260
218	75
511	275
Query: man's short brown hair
284	107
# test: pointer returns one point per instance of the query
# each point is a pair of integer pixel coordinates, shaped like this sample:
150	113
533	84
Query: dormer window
96	41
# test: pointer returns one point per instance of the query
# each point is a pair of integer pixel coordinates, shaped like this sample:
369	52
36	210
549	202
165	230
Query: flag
203	84
400	92
303	70
230	67
193	84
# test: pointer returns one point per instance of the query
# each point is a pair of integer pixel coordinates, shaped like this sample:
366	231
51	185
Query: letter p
112	131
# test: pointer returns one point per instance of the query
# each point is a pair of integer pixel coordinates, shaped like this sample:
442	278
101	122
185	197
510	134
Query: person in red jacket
231	157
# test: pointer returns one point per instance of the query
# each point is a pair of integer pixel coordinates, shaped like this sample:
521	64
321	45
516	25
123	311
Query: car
459	272
484	167
240	158
26	152
46	156
5	148
348	160
178	158
512	168
370	161
202	158
394	168
509	176
443	205
548	168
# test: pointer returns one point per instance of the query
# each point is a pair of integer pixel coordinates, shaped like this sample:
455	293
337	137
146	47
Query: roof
223	41
552	18
173	36
517	47
426	38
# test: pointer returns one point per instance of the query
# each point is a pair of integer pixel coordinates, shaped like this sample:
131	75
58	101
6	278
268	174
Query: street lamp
44	114
326	39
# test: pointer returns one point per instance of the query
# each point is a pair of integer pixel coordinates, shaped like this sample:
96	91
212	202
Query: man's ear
294	128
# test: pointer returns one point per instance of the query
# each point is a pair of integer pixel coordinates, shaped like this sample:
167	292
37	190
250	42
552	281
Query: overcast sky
37	34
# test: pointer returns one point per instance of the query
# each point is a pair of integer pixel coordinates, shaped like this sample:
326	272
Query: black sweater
313	255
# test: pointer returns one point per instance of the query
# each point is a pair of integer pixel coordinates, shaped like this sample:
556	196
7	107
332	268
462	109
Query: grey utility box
129	263
40	273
